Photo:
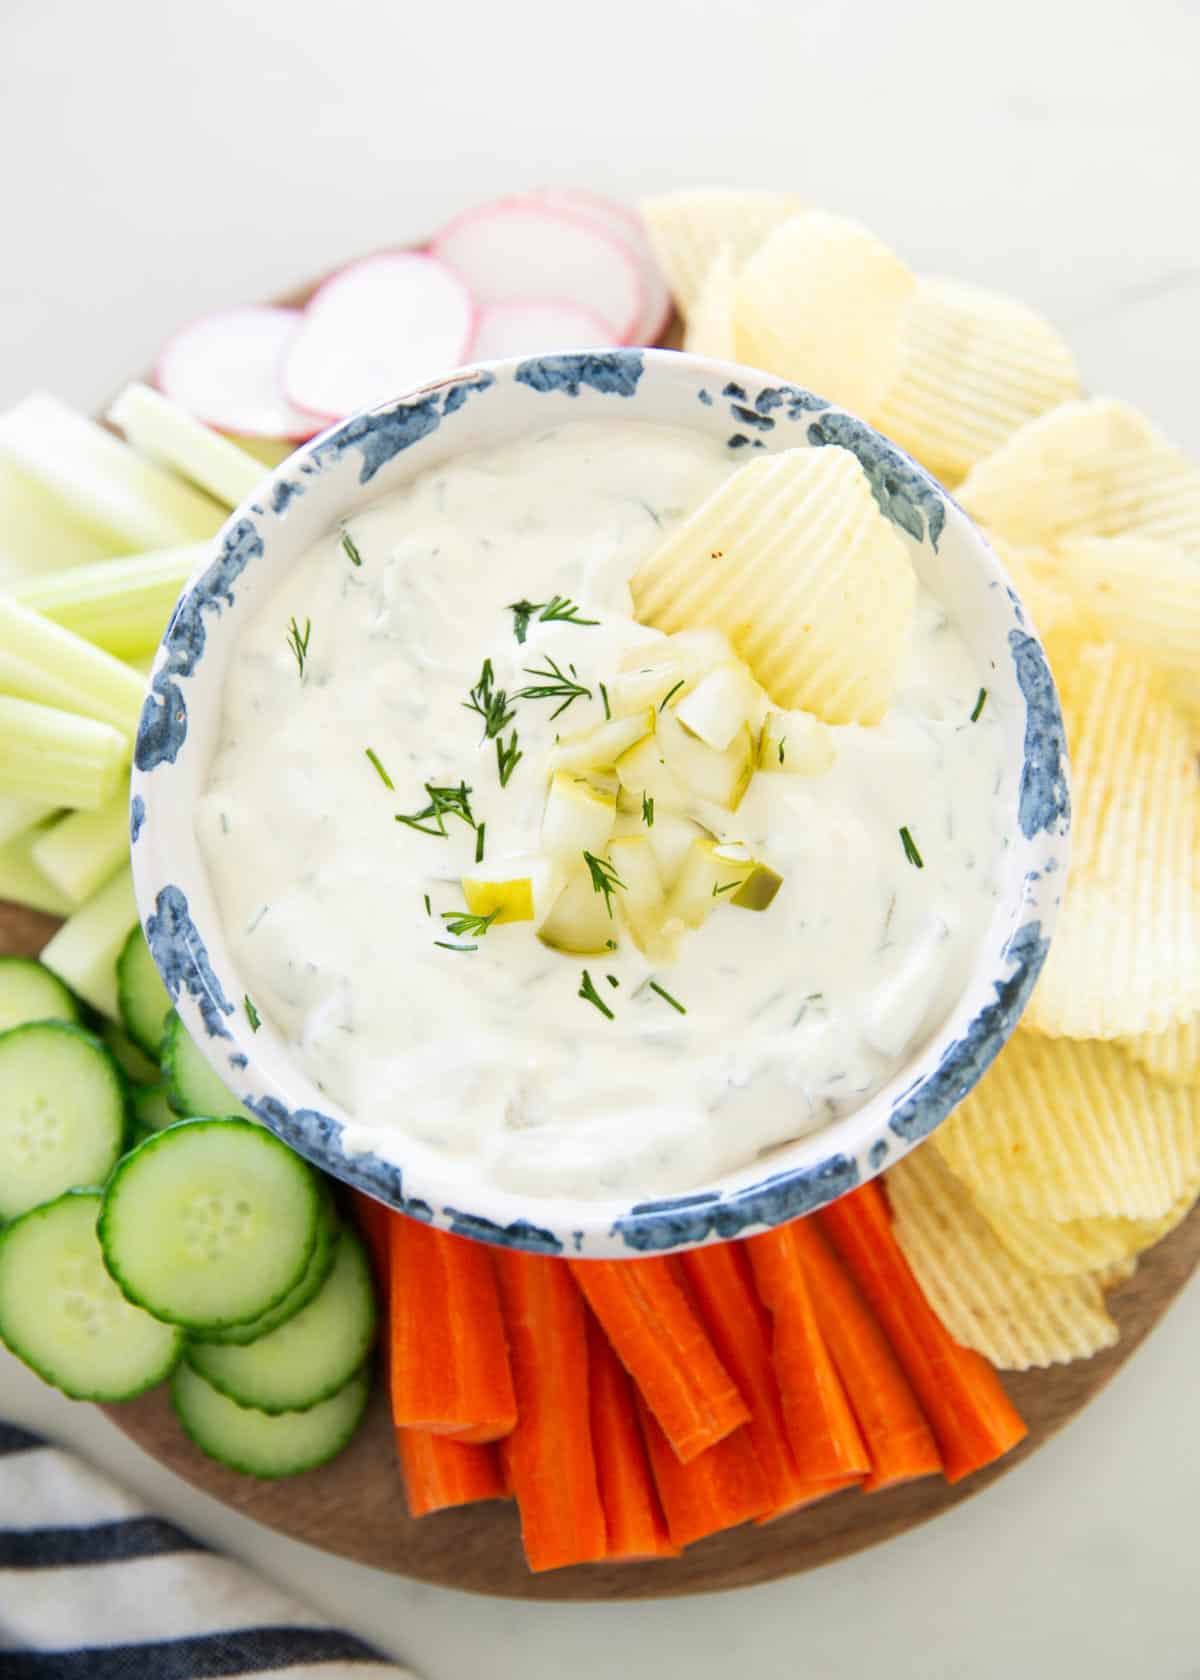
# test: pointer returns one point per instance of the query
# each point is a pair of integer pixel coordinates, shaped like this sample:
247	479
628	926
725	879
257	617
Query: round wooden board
355	1506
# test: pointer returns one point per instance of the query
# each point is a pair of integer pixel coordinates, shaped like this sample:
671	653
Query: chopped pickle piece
579	921
758	889
710	873
643	771
721	777
578	816
601	747
720	704
796	743
513	899
641	898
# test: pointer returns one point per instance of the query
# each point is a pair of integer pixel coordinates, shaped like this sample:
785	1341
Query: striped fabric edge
295	1652
14	1439
104	1542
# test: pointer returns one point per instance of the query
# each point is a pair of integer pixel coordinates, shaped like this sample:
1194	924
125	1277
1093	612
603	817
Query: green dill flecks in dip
463	925
604	698
648	810
559	609
612	979
555	686
428	906
666	697
666	996
507	758
443	802
444	945
252	1014
490	702
350	548
726	886
604	878
590	995
479	841
297	640
979	705
910	849
380	771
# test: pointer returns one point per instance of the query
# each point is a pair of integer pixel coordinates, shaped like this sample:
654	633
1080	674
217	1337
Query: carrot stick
374	1220
658	1337
893	1425
820	1425
449	1360
723	1286
439	1473
549	1454
972	1418
633	1518
719	1489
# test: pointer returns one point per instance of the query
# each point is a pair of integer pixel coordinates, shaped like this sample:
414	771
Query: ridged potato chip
687	229
1134	590
1064	1129
1111	1277
987	1299
820	302
1173	1054
1049	606
1096	468
710	320
1125	957
793	560
974	367
1064	1248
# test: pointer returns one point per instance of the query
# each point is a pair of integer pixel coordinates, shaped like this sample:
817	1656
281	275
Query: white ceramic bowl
375	453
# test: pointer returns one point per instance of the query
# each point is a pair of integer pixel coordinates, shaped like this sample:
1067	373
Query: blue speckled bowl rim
844	1154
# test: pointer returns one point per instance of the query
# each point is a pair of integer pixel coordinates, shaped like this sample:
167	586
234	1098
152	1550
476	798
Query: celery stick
270	451
119	605
168	434
58	757
80	852
85	949
22	882
37	533
39	660
101	479
16	815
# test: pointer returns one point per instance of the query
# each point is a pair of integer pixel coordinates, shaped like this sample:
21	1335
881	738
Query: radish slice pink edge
626	225
224	369
516	248
533	327
375	330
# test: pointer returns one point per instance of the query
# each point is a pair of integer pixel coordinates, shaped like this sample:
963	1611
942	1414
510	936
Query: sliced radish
376	329
516	248
626	225
531	328
224	369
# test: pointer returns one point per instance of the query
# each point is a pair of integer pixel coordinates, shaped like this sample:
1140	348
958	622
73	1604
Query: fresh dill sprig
910	849
350	548
666	997
604	878
462	924
298	642
979	704
612	979
428	906
604	698
559	609
590	995
669	693
479	834
444	945
556	686
382	773
507	758
782	744
252	1014
726	886
648	810
610	944
490	702
443	802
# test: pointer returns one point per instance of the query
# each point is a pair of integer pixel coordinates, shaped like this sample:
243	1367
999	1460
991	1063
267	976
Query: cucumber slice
210	1223
319	1268
193	1088
258	1445
310	1357
29	992
64	1316
144	1001
151	1110
138	1069
62	1113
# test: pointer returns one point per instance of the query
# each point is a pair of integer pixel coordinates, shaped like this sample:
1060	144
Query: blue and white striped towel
92	1587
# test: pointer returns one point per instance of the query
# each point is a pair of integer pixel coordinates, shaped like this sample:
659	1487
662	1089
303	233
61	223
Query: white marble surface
162	159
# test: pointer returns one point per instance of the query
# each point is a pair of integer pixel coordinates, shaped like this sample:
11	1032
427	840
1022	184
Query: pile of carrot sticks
632	1407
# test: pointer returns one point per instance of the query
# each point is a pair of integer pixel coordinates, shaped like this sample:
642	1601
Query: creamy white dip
794	1015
